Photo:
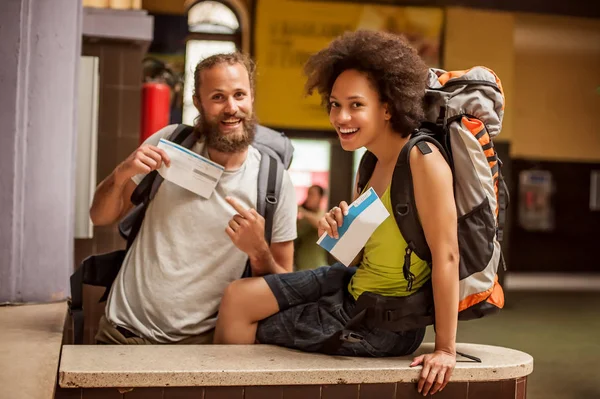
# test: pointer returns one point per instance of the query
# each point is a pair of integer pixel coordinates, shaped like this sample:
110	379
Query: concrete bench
266	372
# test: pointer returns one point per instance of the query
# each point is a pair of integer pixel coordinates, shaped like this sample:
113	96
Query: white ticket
364	216
190	170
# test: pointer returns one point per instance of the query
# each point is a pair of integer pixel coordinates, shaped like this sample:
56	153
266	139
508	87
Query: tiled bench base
506	389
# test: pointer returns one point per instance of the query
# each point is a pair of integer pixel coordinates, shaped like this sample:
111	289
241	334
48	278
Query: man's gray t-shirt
173	277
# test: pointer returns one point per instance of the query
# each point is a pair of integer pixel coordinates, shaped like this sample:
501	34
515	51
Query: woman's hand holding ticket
333	219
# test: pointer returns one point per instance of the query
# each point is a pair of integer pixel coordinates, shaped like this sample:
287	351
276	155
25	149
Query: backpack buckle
271	199
351	337
73	308
402	209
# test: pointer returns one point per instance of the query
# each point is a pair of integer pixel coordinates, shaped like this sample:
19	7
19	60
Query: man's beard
228	143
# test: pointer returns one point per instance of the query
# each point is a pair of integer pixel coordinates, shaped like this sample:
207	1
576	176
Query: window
213	28
212	17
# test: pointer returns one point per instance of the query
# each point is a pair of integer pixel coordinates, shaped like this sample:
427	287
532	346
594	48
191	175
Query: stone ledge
131	25
263	365
30	341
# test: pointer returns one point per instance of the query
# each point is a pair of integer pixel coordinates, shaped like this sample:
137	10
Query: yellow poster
287	32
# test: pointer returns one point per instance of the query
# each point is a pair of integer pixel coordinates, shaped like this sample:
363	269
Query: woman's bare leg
244	304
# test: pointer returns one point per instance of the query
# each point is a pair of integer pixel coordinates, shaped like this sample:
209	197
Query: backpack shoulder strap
276	155
146	190
365	170
403	197
270	179
182	135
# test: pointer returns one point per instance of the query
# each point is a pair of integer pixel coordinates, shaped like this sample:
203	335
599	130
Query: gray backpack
101	270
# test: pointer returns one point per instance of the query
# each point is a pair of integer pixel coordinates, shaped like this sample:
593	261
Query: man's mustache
237	115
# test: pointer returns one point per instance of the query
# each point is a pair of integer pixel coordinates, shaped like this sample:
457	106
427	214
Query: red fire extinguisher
156	98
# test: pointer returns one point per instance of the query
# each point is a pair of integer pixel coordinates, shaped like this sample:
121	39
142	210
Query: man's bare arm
436	207
112	200
279	258
112	197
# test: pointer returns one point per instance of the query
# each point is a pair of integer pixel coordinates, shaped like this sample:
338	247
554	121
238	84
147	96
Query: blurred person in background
308	254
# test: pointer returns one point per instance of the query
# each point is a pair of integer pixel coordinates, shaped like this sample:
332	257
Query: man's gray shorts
314	304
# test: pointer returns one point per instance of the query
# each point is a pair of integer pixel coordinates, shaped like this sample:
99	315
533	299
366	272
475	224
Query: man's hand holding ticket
364	216
190	170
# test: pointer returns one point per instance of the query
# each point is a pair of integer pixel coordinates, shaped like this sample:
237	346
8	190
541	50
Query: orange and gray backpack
463	113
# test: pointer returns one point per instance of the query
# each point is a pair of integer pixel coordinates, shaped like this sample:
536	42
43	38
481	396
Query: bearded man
189	248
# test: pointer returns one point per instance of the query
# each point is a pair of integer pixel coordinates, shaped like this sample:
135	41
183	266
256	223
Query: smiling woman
373	85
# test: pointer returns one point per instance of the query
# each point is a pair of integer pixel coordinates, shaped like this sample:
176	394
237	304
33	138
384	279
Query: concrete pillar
40	47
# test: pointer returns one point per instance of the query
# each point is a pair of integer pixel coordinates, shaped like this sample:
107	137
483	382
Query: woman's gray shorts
315	304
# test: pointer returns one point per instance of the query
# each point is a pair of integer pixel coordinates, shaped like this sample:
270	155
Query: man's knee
249	299
235	293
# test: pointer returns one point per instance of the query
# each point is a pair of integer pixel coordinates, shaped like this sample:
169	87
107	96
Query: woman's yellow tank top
380	269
